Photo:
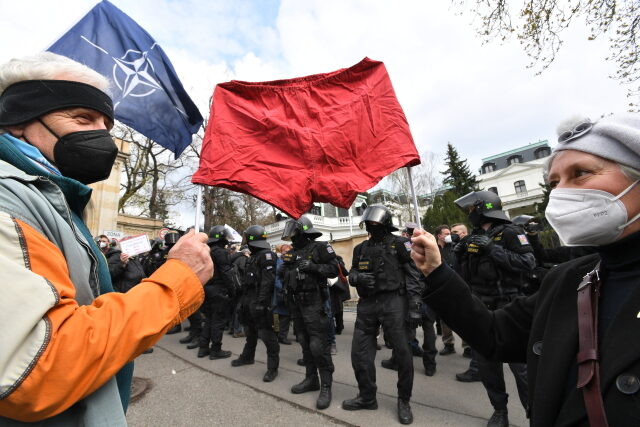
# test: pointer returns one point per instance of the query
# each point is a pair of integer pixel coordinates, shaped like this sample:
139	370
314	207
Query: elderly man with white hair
66	339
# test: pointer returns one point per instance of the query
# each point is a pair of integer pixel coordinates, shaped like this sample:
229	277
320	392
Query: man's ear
16	131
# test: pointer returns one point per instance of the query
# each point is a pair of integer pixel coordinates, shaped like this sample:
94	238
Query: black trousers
195	323
312	324
216	314
492	377
285	321
388	309
429	345
256	326
492	373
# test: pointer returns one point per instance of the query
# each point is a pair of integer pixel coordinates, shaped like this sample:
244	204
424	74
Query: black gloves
483	243
307	266
366	279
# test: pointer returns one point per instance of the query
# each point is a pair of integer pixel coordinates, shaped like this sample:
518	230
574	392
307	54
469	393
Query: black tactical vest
383	259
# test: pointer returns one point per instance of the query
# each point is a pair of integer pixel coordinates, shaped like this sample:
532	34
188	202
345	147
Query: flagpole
415	198
198	208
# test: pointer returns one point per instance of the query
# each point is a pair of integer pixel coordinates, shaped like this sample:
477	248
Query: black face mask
377	231
86	156
476	219
299	240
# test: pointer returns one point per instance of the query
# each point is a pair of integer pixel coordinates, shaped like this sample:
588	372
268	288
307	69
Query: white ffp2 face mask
587	217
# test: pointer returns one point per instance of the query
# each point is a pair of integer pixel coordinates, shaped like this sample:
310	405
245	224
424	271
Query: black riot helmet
487	205
171	238
522	220
379	214
301	226
219	233
256	236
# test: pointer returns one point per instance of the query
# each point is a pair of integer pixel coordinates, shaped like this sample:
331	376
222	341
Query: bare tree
426	180
146	187
539	25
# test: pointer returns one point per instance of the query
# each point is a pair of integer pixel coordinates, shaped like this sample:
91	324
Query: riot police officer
259	281
218	293
305	271
494	262
383	273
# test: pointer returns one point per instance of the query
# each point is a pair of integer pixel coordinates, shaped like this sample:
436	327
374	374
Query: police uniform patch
329	249
268	267
523	239
268	256
408	246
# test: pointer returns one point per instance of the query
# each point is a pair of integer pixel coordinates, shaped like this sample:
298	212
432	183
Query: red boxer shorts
323	138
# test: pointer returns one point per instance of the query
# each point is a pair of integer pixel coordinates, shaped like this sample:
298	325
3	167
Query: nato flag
147	94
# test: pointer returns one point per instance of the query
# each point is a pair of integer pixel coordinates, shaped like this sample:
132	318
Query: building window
521	189
514	159
542	152
343	212
493	189
488	167
316	210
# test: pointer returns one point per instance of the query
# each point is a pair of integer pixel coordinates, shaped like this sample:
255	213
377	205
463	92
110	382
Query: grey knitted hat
615	138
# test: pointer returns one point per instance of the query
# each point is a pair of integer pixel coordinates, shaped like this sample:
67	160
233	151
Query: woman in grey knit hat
579	334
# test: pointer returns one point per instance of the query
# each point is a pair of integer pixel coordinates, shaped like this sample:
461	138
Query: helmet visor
467	201
291	228
375	214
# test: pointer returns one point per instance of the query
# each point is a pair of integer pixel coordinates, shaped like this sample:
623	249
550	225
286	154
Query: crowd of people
77	311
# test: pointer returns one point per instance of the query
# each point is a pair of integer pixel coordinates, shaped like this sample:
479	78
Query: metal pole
350	222
415	198
198	209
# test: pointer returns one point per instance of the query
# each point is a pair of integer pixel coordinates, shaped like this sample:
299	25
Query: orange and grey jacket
61	342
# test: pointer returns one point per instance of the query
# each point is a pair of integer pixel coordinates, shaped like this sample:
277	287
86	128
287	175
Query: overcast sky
482	99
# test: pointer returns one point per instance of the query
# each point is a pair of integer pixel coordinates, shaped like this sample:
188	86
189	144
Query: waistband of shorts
342	75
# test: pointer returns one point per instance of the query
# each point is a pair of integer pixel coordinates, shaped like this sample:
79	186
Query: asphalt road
187	391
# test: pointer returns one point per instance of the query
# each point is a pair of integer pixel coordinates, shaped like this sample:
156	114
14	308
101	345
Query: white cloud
483	99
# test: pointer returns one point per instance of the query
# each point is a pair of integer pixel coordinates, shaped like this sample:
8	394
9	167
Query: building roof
527	153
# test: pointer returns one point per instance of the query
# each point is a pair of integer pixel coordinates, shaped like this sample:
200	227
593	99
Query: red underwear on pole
320	138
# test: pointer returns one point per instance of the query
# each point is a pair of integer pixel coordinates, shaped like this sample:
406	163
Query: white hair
49	66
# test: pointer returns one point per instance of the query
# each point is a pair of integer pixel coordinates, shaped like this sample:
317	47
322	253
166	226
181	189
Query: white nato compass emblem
133	73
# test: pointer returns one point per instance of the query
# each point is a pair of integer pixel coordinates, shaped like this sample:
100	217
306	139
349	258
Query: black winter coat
124	277
542	330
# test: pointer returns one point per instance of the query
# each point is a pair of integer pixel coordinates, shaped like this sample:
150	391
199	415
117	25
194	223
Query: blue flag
147	94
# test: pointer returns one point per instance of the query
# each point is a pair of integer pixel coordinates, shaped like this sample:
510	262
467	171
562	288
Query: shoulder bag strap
588	360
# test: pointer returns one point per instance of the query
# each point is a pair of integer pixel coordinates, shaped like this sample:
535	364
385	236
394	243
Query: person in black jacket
257	316
389	287
218	293
496	261
125	271
594	173
305	270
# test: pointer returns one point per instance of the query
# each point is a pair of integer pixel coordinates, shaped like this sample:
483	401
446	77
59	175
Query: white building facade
517	177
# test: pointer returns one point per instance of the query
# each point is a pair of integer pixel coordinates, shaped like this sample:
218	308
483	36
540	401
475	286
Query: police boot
193	344
175	329
242	361
359	403
468	376
324	399
310	383
389	364
500	418
188	339
219	354
270	375
404	412
203	351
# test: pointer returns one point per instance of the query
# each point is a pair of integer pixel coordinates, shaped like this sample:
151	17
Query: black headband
30	99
